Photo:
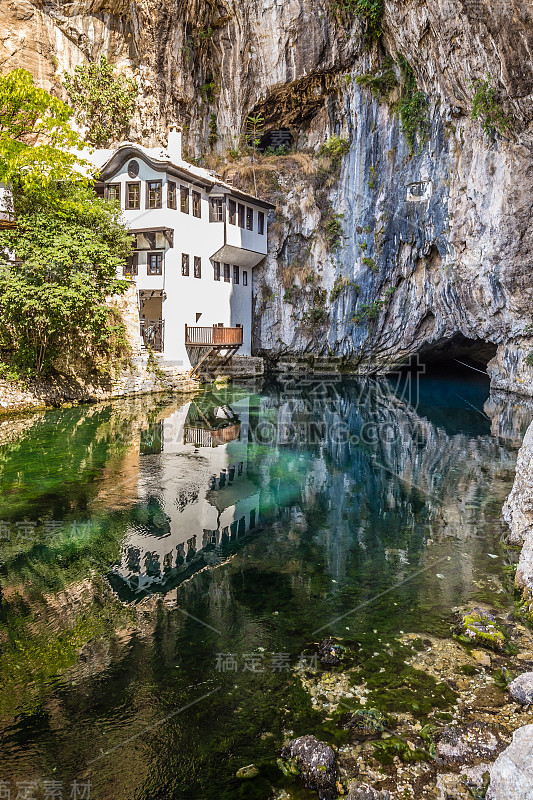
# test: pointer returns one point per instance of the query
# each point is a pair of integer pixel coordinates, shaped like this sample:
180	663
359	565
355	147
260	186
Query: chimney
174	143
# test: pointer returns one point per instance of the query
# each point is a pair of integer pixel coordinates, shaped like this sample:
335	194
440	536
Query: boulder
316	762
521	689
511	776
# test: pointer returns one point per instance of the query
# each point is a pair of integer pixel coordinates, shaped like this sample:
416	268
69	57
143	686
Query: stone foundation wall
138	380
243	367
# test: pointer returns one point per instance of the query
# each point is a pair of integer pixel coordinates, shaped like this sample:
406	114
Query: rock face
518	513
512	774
316	762
437	233
521	689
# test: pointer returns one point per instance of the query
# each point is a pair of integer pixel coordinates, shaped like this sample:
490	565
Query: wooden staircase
219	346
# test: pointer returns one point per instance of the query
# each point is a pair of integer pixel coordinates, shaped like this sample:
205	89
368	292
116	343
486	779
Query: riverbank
144	377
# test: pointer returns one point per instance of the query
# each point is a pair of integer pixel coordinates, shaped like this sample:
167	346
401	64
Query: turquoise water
166	564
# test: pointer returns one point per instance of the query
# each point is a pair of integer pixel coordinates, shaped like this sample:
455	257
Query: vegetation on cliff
103	101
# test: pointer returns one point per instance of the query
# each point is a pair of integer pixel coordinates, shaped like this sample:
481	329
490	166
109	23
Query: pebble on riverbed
247	773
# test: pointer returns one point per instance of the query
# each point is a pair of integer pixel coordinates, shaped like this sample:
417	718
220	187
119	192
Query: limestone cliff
437	236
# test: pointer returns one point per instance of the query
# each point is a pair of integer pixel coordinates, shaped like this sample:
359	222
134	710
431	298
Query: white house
197	240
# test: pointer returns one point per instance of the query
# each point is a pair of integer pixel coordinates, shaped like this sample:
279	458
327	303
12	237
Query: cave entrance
457	354
275	140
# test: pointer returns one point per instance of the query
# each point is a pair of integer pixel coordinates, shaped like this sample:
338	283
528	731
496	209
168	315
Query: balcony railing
203	437
209	337
153	334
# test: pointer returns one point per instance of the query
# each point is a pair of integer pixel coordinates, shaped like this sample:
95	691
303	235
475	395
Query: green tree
52	298
103	101
37	144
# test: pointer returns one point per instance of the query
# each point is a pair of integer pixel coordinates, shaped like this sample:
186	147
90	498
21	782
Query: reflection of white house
197	242
199	490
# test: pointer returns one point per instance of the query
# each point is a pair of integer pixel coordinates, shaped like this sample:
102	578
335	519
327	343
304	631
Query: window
171	194
244	278
131	267
216	270
227	273
155	264
184	199
241	216
184	264
197	267
260	222
153	194
196	204
235	274
232	208
216	209
250	219
133	195
112	191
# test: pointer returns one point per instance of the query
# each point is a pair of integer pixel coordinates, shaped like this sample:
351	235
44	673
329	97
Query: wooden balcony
213	337
205	437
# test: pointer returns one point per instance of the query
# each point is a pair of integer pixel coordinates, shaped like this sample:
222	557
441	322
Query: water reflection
195	496
324	494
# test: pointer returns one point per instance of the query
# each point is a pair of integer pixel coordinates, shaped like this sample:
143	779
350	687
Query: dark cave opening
457	354
274	140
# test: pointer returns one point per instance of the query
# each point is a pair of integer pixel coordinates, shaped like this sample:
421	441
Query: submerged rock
367	722
511	776
247	773
521	689
334	654
468	743
316	762
362	791
482	628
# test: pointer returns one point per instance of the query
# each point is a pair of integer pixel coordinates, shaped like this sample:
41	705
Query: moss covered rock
481	628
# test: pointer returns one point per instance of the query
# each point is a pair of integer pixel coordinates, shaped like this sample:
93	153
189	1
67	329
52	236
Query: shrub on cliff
67	248
103	101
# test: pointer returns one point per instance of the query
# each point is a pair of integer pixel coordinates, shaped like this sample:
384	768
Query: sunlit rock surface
447	227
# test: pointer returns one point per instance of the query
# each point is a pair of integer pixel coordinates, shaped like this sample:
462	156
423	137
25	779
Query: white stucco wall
189	300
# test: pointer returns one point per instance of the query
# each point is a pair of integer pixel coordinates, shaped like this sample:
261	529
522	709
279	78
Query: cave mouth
275	141
457	354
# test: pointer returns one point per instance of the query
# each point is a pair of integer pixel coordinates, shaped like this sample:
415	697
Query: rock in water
468	743
511	777
362	791
246	773
316	762
480	627
521	688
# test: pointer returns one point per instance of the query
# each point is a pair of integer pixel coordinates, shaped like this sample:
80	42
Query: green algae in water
338	532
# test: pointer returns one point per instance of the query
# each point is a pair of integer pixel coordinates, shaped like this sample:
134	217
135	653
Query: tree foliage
37	144
52	297
103	101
